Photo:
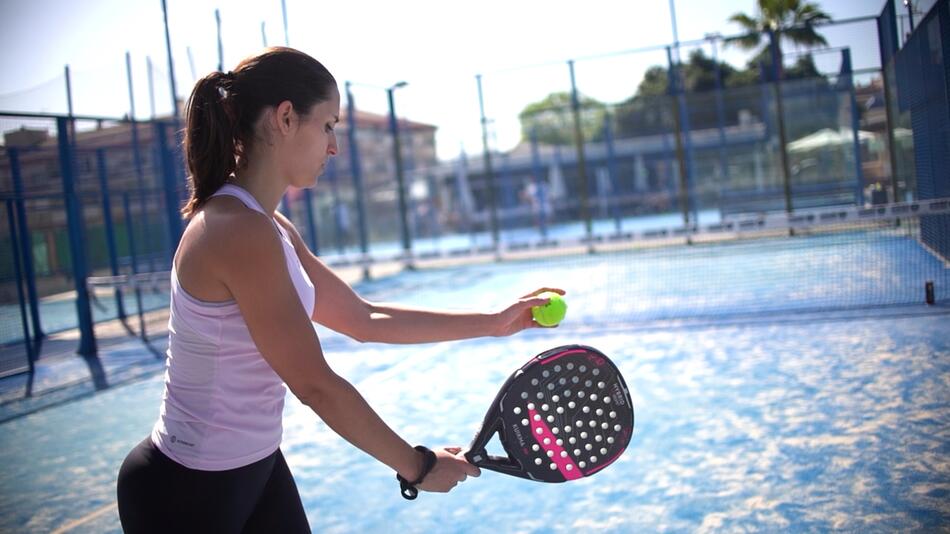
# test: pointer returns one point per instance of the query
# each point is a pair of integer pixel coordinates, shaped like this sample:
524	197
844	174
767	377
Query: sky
520	49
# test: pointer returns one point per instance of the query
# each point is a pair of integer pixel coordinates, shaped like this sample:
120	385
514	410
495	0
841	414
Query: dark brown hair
223	108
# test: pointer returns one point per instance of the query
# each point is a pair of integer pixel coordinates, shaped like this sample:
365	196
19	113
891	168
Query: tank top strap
242	194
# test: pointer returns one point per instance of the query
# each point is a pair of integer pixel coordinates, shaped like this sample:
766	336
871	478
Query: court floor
780	423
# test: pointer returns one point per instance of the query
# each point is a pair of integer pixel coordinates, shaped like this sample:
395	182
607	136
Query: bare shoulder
222	240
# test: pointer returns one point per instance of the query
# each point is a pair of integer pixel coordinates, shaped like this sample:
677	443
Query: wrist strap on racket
408	489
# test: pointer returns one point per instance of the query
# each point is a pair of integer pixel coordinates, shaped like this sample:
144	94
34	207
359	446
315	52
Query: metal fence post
26	245
74	216
581	163
110	227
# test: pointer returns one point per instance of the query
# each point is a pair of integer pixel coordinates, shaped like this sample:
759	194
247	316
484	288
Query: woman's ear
285	117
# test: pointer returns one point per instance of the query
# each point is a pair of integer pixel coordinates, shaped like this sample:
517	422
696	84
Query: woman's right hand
451	467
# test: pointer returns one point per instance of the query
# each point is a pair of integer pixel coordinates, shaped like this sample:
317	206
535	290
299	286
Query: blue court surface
755	421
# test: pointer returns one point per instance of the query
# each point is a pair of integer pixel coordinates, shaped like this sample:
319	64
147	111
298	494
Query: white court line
84	519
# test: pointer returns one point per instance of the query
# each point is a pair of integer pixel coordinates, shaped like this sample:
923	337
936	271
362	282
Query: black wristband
408	489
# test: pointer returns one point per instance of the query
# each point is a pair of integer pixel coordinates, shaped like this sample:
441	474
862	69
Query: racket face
564	415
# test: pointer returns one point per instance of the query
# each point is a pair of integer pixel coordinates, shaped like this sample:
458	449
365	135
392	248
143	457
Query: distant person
244	292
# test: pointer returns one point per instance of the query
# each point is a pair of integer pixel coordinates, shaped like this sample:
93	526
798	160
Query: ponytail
209	138
223	108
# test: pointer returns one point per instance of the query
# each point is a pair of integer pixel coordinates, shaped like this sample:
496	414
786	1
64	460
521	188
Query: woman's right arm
253	268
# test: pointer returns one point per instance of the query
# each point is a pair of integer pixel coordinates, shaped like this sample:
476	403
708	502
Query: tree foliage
551	120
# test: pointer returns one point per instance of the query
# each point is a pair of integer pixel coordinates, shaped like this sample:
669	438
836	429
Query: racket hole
610	439
580	394
577	452
562	381
536	447
572	440
583	435
575	380
593	459
553	466
539	431
593	423
599	411
588	383
551	419
555	398
538	461
517	410
593	396
550	387
530	405
524	394
607	400
557	368
555	431
571	405
601	385
546	441
567	429
598	438
524	422
545	374
603	451
596	372
535	381
544	407
617	428
537	417
540	395
569	467
560	409
570	366
567	393
582	464
563	454
613	415
550	454
559	442
583	369
586	409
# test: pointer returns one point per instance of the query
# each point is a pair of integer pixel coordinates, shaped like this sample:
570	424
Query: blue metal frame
87	338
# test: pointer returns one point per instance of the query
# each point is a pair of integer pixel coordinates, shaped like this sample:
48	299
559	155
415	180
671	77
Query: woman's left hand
517	317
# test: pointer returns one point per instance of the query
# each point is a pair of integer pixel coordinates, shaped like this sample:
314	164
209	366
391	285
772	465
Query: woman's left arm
340	308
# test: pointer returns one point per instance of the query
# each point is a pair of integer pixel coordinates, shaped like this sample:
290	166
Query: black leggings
157	494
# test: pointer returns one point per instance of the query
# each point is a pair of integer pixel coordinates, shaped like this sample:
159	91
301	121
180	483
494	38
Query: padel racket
564	415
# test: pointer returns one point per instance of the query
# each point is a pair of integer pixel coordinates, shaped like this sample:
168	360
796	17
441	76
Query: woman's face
314	141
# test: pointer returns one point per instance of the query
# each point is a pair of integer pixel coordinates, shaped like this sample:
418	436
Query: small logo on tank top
183	442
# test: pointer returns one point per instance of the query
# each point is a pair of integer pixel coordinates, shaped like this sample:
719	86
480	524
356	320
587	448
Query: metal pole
283	9
87	338
136	149
217	23
720	113
263	35
581	163
26	244
489	175
540	188
855	126
171	63
27	342
311	225
397	155
677	136
109	227
151	87
614	209
780	124
357	177
134	264
886	60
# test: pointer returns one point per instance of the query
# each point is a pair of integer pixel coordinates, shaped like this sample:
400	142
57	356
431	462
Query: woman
244	292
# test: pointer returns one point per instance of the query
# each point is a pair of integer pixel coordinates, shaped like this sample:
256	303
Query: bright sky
438	47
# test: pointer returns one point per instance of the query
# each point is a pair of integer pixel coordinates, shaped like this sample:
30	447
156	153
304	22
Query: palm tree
792	20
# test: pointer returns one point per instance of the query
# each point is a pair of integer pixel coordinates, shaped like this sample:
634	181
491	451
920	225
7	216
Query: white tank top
223	403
